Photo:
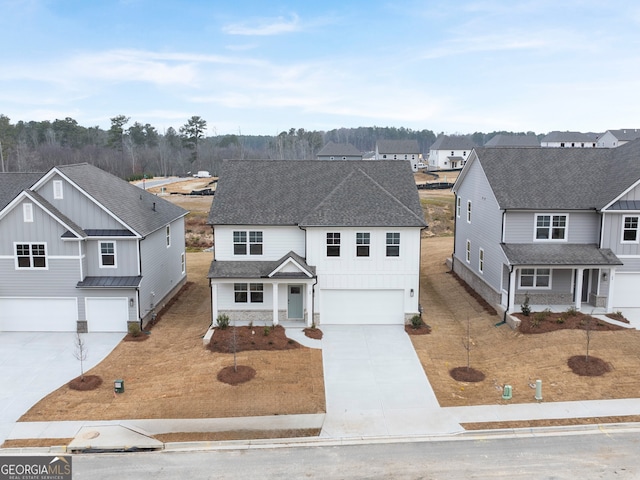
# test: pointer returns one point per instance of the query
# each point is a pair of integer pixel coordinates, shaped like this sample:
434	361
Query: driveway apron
34	364
376	386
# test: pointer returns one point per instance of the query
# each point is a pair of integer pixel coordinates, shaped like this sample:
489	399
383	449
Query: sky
262	67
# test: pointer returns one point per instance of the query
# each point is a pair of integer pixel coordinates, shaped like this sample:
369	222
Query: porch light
411	292
131	302
604	276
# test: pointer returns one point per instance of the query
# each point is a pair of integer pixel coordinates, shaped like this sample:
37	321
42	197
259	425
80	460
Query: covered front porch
263	292
559	277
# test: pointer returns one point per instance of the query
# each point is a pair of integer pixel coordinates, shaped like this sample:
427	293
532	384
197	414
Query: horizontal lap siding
276	242
583	227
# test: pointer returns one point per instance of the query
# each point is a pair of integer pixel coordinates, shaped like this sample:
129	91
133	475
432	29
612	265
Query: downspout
455	229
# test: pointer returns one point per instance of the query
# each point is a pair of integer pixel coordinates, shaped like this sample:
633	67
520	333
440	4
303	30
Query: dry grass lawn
171	375
506	356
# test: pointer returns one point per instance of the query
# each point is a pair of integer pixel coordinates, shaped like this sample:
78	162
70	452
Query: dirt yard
171	375
506	356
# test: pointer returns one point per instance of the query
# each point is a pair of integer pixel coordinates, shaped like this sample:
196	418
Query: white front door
294	302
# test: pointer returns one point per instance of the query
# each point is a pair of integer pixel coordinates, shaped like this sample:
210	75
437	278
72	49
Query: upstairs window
458	206
168	233
630	230
57	190
107	254
393	244
363	241
469	211
239	243
551	227
333	244
255	243
31	255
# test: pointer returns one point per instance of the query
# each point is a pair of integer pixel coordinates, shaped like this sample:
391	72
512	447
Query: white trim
633	186
481	260
467	255
290	260
535	276
58	192
115	255
183	263
550	228
46	258
27	212
167	232
468	211
637	229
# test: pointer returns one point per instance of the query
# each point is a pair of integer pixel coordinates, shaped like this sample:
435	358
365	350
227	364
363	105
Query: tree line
131	149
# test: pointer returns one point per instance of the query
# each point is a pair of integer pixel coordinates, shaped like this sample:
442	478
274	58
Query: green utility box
118	386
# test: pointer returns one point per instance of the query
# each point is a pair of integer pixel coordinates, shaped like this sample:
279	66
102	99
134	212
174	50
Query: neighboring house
82	250
399	150
449	152
325	242
339	151
569	140
538	223
617	138
505	140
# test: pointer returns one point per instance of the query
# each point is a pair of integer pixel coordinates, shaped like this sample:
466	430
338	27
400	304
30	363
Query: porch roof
259	269
110	282
559	254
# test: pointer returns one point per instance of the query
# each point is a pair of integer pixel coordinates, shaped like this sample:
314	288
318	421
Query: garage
361	307
626	290
107	314
38	314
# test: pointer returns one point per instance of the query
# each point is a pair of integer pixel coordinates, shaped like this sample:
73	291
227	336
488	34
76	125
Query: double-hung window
468	252
255	243
333	244
551	227
107	254
239	243
535	278
168	235
248	292
481	260
630	230
393	244
469	211
241	246
31	255
363	241
458	206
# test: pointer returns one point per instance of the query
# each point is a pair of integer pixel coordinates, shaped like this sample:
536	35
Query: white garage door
38	314
361	307
107	314
626	290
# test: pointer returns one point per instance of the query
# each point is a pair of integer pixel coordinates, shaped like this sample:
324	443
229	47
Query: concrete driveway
376	386
34	364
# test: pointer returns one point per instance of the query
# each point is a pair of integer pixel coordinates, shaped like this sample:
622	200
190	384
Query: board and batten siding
126	258
485	229
276	242
78	206
612	234
161	265
375	272
43	229
582	226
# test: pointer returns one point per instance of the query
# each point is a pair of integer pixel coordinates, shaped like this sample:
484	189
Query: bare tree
80	353
466	343
587	324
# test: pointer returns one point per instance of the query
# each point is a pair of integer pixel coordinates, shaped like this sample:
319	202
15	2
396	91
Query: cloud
265	26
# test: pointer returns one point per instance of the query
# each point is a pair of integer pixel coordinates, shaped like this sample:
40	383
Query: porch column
578	292
275	304
214	302
612	276
309	304
512	290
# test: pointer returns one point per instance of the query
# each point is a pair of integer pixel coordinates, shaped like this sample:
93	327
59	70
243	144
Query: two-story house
449	152
557	139
82	250
339	151
501	140
617	138
560	226
399	150
316	242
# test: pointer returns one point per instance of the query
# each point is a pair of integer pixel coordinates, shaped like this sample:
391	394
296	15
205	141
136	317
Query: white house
399	150
449	152
617	138
307	241
558	139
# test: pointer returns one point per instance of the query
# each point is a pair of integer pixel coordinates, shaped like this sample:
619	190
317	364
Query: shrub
525	308
416	321
222	321
571	312
266	330
134	329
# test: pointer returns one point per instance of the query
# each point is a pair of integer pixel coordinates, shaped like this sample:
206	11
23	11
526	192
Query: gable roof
398	146
338	193
557	136
261	268
505	140
452	142
625	134
11	184
558	178
339	150
140	210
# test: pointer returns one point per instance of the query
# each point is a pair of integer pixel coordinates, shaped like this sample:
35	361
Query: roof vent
154	206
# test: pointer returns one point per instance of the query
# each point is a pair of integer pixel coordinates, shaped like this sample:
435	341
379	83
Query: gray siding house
399	150
339	151
326	242
560	226
82	250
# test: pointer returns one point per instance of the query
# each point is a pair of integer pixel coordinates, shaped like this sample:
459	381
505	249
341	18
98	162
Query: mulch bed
423	329
314	333
83	384
251	338
617	316
485	305
464	374
237	375
141	337
543	322
588	367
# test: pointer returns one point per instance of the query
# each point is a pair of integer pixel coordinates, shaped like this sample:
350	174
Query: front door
585	285
294	302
